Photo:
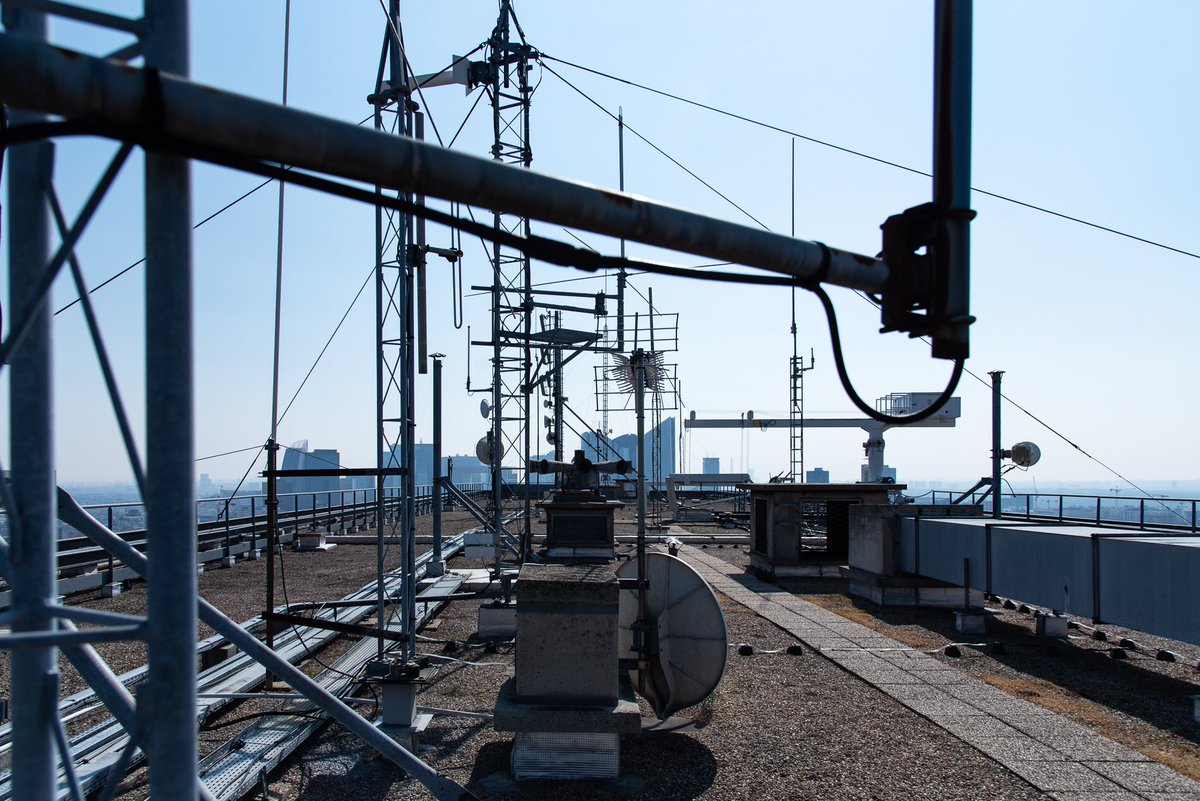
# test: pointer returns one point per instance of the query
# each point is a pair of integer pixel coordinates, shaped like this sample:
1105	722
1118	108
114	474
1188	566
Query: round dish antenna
484	450
484	409
1025	454
688	639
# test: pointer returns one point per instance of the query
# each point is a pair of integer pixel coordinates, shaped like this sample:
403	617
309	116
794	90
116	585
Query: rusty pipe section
187	115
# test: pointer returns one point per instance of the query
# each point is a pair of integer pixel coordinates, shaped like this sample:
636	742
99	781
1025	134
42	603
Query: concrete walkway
1054	754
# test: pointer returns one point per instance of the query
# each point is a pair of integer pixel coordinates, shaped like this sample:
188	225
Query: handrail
318	509
1176	515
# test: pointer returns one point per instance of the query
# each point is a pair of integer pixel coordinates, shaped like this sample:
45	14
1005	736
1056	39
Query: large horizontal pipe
190	116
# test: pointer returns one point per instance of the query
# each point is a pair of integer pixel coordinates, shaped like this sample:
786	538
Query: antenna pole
640	646
996	375
437	566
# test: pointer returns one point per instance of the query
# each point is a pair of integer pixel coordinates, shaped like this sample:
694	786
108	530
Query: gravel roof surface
778	726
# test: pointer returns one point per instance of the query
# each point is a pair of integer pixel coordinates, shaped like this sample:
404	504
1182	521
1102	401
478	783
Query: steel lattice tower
512	304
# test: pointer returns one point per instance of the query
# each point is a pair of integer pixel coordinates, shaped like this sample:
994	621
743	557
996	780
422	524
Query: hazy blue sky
1088	108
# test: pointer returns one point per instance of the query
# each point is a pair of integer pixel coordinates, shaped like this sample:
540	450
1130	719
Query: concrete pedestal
568	700
579	526
110	590
567	648
1052	626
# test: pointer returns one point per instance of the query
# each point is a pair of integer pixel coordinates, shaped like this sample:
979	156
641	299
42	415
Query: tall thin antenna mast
797	368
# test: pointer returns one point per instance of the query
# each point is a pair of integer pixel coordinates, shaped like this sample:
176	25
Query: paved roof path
1055	754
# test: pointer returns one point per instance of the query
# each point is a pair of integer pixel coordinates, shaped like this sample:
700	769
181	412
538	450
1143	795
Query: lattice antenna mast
395	112
512	304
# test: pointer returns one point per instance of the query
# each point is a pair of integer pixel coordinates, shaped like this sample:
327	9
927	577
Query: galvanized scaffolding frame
175	121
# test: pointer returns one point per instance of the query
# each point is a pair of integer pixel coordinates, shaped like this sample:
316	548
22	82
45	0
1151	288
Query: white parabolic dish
688	636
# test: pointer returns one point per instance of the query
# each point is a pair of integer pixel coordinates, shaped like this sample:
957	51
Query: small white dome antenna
1023	454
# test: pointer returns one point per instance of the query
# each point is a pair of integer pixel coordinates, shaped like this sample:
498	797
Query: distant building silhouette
299	457
887	473
818	475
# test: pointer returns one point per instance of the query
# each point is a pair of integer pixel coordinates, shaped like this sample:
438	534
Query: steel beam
39	77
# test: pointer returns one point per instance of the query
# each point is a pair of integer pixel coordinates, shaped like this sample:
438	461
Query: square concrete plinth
567	634
512	713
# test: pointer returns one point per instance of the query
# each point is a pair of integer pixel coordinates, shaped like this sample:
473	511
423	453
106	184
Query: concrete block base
970	621
313	541
200	569
228	561
253	555
215	656
497	622
110	590
407	736
435	569
620	717
1054	626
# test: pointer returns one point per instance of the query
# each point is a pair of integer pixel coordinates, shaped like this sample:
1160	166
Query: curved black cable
839	360
549	250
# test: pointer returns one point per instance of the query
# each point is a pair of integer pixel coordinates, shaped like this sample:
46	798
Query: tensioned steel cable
658	149
868	156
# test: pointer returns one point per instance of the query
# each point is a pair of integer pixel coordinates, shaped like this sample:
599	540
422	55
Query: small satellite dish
750	415
483	450
692	415
484	408
687	635
1025	454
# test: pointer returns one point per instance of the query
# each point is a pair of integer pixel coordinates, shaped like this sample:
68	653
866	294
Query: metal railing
222	533
1177	515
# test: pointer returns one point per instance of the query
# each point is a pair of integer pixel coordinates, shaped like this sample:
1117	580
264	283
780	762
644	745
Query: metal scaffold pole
34	670
167	704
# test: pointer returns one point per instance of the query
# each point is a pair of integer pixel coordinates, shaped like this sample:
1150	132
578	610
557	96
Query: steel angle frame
40	627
